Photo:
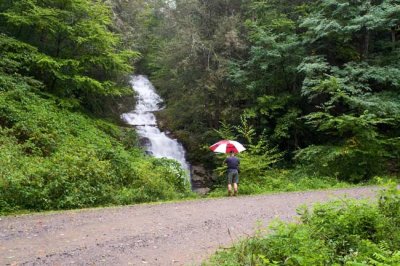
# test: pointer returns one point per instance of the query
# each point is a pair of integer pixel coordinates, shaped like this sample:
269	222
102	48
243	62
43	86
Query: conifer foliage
60	62
76	54
317	79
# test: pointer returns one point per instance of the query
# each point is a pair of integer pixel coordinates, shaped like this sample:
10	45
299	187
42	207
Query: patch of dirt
182	233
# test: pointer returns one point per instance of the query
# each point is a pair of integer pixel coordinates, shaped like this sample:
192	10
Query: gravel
183	233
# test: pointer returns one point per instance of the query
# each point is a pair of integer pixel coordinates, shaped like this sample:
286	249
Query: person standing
232	173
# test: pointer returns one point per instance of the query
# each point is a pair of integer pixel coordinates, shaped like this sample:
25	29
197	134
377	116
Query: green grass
351	232
280	181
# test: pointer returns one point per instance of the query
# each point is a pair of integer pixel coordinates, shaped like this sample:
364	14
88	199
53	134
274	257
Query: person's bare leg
235	188
229	189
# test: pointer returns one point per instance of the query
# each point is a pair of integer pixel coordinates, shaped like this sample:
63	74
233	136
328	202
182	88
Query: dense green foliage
72	52
258	173
55	159
346	232
306	85
319	80
59	66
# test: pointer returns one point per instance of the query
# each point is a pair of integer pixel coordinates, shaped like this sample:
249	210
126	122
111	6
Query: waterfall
157	143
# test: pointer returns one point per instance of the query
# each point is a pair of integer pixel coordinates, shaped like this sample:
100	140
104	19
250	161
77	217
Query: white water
143	119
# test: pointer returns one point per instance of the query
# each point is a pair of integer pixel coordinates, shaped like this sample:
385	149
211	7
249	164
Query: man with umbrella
231	147
233	173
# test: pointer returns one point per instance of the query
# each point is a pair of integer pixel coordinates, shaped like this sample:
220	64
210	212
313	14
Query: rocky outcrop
201	179
144	142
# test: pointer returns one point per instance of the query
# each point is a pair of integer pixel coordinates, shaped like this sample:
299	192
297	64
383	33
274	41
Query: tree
78	54
353	85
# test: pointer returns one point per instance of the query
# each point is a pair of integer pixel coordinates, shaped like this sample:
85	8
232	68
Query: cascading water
158	143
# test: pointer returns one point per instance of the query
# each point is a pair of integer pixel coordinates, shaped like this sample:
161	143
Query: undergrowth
55	158
343	232
276	180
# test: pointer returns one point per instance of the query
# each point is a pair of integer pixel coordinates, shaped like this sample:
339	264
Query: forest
316	81
311	88
63	70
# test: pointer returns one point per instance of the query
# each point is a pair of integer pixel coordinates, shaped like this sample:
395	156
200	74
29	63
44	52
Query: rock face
201	179
144	142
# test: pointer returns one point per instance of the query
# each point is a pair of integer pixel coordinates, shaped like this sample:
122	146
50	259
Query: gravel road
182	233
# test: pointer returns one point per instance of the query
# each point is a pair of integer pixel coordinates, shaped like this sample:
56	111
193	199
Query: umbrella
226	146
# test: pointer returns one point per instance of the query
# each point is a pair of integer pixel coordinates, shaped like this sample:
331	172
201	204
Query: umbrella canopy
226	146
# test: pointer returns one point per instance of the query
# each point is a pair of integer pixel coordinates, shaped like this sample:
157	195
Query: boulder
201	190
201	179
199	173
144	142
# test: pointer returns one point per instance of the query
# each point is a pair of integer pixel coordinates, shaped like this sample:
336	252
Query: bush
274	180
258	171
345	163
345	232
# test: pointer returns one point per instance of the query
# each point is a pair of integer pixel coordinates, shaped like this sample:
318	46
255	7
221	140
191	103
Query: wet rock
199	173
201	190
201	179
144	142
161	105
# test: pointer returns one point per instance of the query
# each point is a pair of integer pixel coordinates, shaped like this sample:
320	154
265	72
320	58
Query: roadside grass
287	181
343	232
191	196
275	181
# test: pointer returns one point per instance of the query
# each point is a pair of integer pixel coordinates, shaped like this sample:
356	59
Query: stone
199	173
201	179
202	190
144	142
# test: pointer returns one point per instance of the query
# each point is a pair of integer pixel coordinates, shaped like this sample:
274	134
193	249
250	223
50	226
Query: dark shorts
233	175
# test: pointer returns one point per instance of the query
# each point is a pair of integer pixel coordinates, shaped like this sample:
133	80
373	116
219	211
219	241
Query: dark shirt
232	162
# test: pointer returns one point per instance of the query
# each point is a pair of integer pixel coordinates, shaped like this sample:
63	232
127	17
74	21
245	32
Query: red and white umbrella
226	146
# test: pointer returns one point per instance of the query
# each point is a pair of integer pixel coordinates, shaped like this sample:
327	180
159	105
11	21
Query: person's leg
229	183
229	189
235	188
235	183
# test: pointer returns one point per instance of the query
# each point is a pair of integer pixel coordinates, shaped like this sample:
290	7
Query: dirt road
164	234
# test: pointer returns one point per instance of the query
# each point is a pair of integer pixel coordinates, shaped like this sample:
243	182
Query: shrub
274	180
344	232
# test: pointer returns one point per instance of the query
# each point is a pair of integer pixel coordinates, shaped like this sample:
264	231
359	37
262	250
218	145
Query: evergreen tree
78	55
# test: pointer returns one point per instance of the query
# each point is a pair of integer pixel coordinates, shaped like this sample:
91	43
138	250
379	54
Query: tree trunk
53	84
59	40
393	38
366	44
296	140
